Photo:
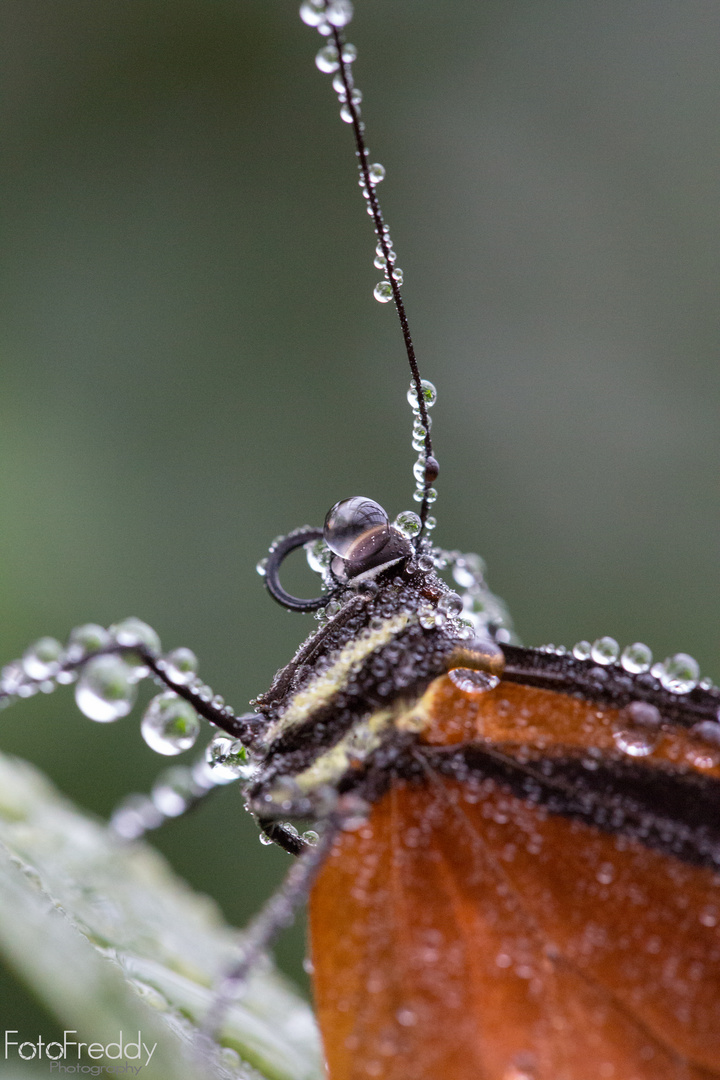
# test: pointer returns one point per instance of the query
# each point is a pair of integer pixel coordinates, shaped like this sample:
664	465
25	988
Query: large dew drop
383	292
170	724
106	689
680	673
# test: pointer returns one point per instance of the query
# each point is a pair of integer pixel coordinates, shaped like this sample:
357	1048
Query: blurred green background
191	360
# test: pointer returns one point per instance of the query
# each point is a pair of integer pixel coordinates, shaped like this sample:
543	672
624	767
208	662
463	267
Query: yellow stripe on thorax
322	687
364	737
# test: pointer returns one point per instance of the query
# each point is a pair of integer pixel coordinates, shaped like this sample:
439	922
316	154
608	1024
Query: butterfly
524	1065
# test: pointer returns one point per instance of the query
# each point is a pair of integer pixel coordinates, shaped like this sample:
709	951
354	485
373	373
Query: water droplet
635	742
12	677
407	523
473	682
339	12
149	994
327	60
426	617
231	1059
376	172
181	665
174	790
264	840
87	638
380	262
349	53
347	116
421	493
227	759
581	650
709	915
170	724
318	555
406	1017
705	754
356	528
515	1072
383	292
450	604
43	659
429	395
706	683
132	631
261	567
106	689
641	714
311	837
134	816
424	470
398	275
468	570
636	658
680	673
605	873
430	523
312	12
605	650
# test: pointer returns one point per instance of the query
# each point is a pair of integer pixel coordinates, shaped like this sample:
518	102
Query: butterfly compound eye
357	530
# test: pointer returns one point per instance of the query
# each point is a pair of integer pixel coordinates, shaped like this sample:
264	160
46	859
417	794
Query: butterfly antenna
329	17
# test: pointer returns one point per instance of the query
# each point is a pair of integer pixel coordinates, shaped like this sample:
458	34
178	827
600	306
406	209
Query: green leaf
110	939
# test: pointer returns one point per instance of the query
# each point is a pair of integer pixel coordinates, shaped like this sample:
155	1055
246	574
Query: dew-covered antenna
329	17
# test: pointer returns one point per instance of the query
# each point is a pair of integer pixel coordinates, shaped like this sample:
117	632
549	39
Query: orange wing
467	933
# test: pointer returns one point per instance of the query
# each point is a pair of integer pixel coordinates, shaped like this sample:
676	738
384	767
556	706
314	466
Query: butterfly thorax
355	685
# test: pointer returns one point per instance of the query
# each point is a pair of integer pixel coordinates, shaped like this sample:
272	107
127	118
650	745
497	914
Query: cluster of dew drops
639	726
324	16
106	687
474	608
